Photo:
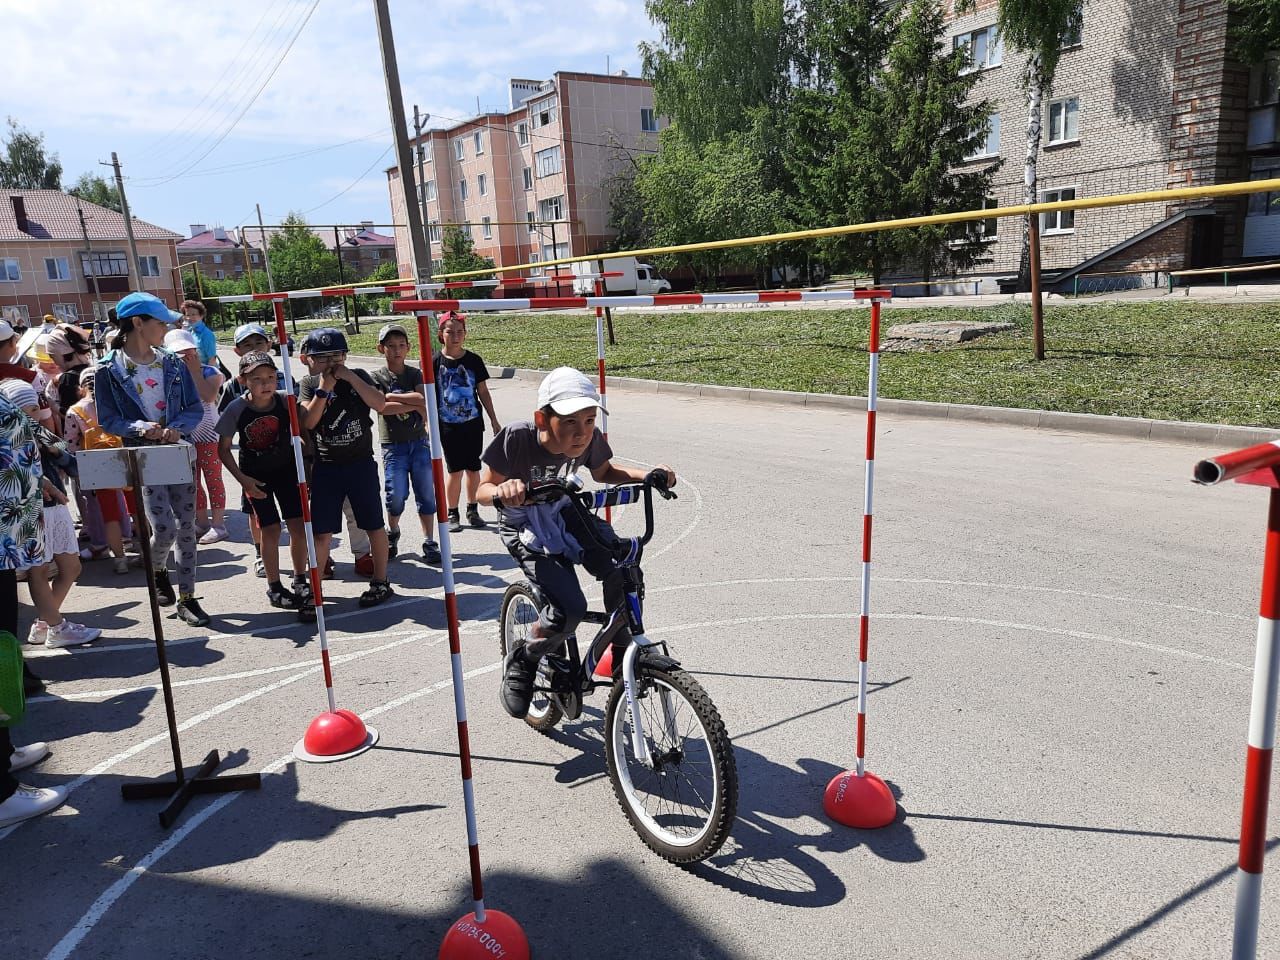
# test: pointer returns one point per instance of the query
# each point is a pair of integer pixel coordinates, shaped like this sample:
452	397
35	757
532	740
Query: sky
215	107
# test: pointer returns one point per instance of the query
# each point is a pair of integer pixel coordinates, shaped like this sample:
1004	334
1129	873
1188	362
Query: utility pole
128	224
346	316
422	184
420	251
99	313
266	254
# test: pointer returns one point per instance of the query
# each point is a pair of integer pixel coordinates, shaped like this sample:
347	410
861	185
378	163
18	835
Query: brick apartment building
1147	99
363	250
45	263
532	183
218	253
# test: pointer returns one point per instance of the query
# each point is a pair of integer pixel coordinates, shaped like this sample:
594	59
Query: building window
1265	204
67	312
983	48
57	268
219	275
112	264
482	185
253	258
648	122
533	258
150	267
458	150
551	209
548	161
522	134
486	228
462	189
16	314
986	230
433	231
1064	120
478	139
528	178
1058	221
990	147
1074	36
557	252
217	258
544	113
10	272
375	254
529	217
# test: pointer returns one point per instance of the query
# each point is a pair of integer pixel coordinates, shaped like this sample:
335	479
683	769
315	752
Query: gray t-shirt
516	454
400	427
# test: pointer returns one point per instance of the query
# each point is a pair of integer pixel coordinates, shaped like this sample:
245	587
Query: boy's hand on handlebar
511	492
662	477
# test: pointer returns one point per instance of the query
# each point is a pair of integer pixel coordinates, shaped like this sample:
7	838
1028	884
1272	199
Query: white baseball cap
175	341
566	390
6	330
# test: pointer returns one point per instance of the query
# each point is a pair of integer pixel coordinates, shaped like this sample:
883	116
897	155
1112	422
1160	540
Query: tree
299	259
1038	29
96	189
25	165
1256	31
890	140
458	255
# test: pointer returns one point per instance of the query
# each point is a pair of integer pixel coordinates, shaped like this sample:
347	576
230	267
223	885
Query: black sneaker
189	612
379	592
473	516
164	589
455	525
516	689
393	543
281	598
431	552
302	589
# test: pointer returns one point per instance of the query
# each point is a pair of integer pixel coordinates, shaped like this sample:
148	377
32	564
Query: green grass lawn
1168	360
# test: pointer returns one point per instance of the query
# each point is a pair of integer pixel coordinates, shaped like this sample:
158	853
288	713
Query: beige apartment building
532	183
46	264
1146	98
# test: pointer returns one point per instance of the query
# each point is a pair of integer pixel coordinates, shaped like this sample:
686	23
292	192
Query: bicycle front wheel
684	804
519	614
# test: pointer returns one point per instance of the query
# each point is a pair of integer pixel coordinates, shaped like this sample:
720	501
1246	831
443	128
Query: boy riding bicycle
548	539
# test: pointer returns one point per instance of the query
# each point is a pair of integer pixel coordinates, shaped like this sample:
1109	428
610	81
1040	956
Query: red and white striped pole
1258	465
1262	738
482	932
335	734
857	798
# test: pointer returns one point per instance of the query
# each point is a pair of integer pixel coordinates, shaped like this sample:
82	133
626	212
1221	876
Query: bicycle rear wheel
519	614
684	805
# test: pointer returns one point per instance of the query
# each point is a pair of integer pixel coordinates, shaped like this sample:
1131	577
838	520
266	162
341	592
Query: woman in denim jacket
145	395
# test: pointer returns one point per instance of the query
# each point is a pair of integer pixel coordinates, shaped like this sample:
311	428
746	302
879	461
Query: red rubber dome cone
335	735
863	801
498	936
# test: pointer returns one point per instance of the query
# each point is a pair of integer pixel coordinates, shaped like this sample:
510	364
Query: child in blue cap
145	395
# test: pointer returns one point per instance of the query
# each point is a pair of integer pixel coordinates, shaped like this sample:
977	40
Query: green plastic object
13	700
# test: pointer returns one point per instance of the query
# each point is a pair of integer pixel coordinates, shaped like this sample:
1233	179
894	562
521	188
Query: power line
269	161
553	140
351	185
216	86
239	116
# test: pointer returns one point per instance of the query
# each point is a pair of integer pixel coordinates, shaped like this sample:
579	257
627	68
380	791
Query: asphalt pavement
1061	653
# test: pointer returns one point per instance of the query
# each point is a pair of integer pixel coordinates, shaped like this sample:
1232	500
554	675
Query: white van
636	278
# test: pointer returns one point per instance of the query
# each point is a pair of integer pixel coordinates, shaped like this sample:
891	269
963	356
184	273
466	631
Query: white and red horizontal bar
1240	464
656	300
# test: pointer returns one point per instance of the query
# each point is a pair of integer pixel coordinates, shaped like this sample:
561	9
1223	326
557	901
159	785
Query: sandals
379	592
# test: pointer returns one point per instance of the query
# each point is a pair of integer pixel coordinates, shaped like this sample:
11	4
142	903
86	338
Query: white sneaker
28	802
38	633
28	756
258	568
214	534
68	634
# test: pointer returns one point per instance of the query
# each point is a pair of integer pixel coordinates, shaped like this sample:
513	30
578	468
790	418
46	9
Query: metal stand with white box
159	465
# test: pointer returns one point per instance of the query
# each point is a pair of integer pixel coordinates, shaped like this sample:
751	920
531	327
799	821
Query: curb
1133	428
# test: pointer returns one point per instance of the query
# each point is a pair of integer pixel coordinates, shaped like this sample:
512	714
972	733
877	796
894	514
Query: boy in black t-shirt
561	439
336	401
461	390
266	471
406	455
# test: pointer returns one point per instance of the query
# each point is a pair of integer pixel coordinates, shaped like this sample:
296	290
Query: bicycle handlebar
551	490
